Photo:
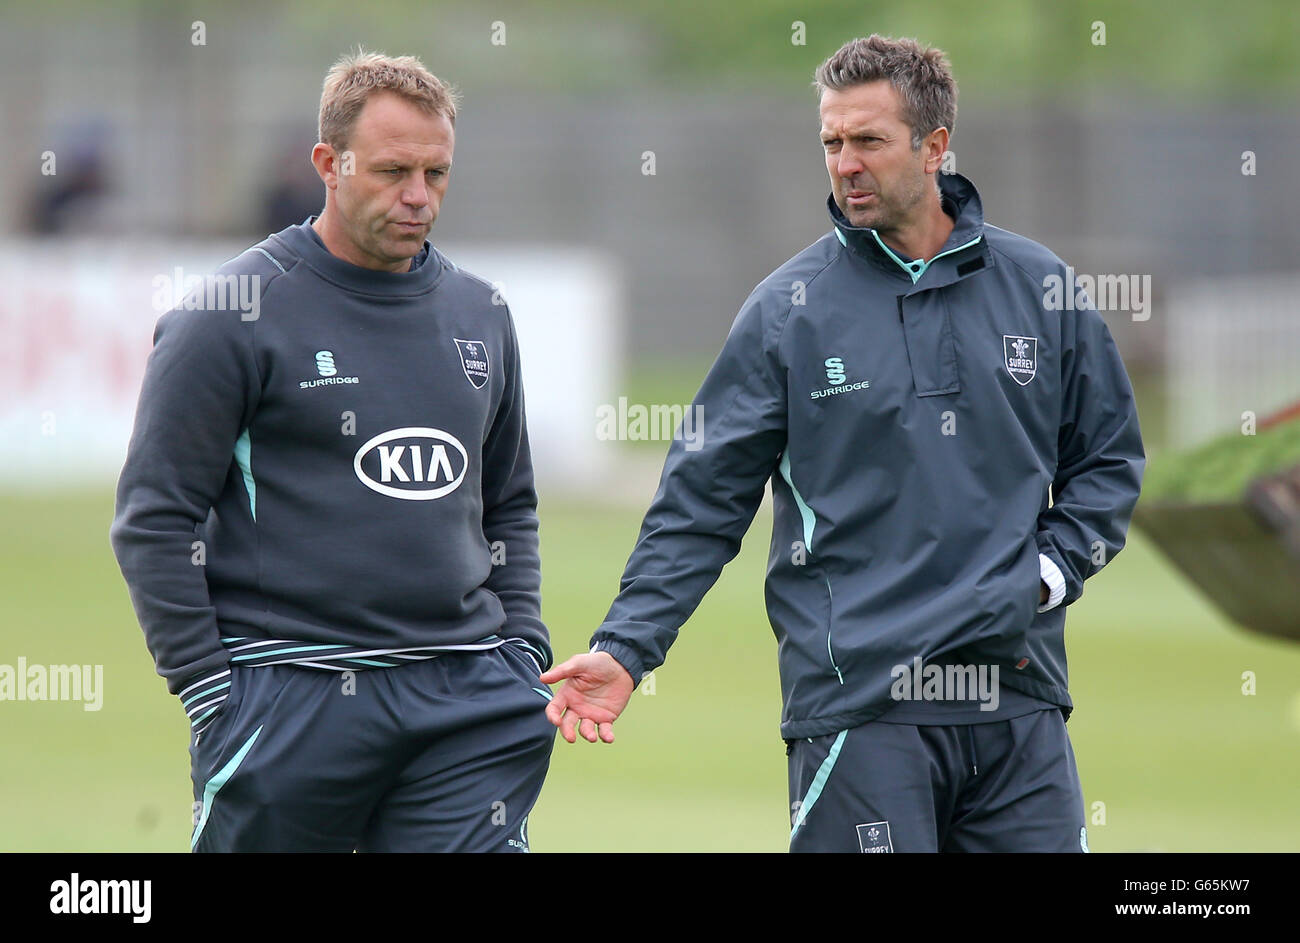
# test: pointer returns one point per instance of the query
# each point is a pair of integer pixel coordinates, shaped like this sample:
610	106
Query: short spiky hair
357	76
919	74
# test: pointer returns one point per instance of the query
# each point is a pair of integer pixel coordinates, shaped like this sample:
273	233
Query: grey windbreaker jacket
912	417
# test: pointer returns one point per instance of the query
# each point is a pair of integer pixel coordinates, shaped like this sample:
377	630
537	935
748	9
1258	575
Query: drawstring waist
327	657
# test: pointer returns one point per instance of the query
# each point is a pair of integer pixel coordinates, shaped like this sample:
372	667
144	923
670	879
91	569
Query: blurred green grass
1223	468
1163	735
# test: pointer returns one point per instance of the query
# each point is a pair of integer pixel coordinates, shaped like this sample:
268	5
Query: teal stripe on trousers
818	783
216	782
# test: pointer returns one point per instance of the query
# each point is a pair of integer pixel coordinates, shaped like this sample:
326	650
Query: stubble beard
892	212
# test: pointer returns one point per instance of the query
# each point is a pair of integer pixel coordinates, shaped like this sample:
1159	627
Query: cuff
1050	574
204	697
625	655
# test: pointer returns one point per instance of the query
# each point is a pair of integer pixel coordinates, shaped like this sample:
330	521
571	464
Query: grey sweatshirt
339	477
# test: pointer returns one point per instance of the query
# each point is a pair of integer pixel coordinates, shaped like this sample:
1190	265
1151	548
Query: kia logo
414	464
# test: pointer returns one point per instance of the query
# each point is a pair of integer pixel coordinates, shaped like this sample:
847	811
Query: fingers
567	724
573	724
561	714
554	710
588	729
559	672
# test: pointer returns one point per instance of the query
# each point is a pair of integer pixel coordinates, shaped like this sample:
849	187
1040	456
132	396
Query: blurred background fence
1168	151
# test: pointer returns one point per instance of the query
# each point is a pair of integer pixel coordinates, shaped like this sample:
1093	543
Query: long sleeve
710	489
199	392
1100	458
510	516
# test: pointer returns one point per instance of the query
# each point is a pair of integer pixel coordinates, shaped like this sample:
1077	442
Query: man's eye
437	173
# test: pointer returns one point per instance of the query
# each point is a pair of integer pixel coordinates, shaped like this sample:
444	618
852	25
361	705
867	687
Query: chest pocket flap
931	351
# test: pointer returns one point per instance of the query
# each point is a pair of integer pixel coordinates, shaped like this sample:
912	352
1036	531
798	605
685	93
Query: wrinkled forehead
389	122
870	106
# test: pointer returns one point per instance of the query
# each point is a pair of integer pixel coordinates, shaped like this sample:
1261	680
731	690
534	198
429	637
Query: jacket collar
955	260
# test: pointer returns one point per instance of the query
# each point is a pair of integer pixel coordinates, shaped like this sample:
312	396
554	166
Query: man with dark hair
327	518
951	456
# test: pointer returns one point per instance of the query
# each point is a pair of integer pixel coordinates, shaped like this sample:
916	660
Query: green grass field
1223	468
1164	736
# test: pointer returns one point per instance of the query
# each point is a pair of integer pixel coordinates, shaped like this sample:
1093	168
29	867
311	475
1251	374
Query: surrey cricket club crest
1020	354
474	358
874	837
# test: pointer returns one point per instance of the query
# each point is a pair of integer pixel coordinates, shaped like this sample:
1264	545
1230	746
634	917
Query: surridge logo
414	463
327	369
834	371
836	376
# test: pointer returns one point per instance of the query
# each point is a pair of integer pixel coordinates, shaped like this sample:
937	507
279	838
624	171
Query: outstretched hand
597	690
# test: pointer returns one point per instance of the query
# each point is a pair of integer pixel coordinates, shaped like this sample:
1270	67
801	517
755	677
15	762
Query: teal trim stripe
284	651
916	268
912	271
814	791
809	519
274	260
216	782
202	694
243	458
956	249
544	693
831	598
541	658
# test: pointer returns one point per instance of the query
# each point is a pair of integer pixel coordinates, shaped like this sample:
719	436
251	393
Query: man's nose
416	191
848	165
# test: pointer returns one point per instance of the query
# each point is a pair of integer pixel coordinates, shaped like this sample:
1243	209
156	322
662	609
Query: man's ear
935	146
328	164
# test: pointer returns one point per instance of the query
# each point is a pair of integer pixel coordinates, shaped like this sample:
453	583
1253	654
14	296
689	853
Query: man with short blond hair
354	78
359	651
913	397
